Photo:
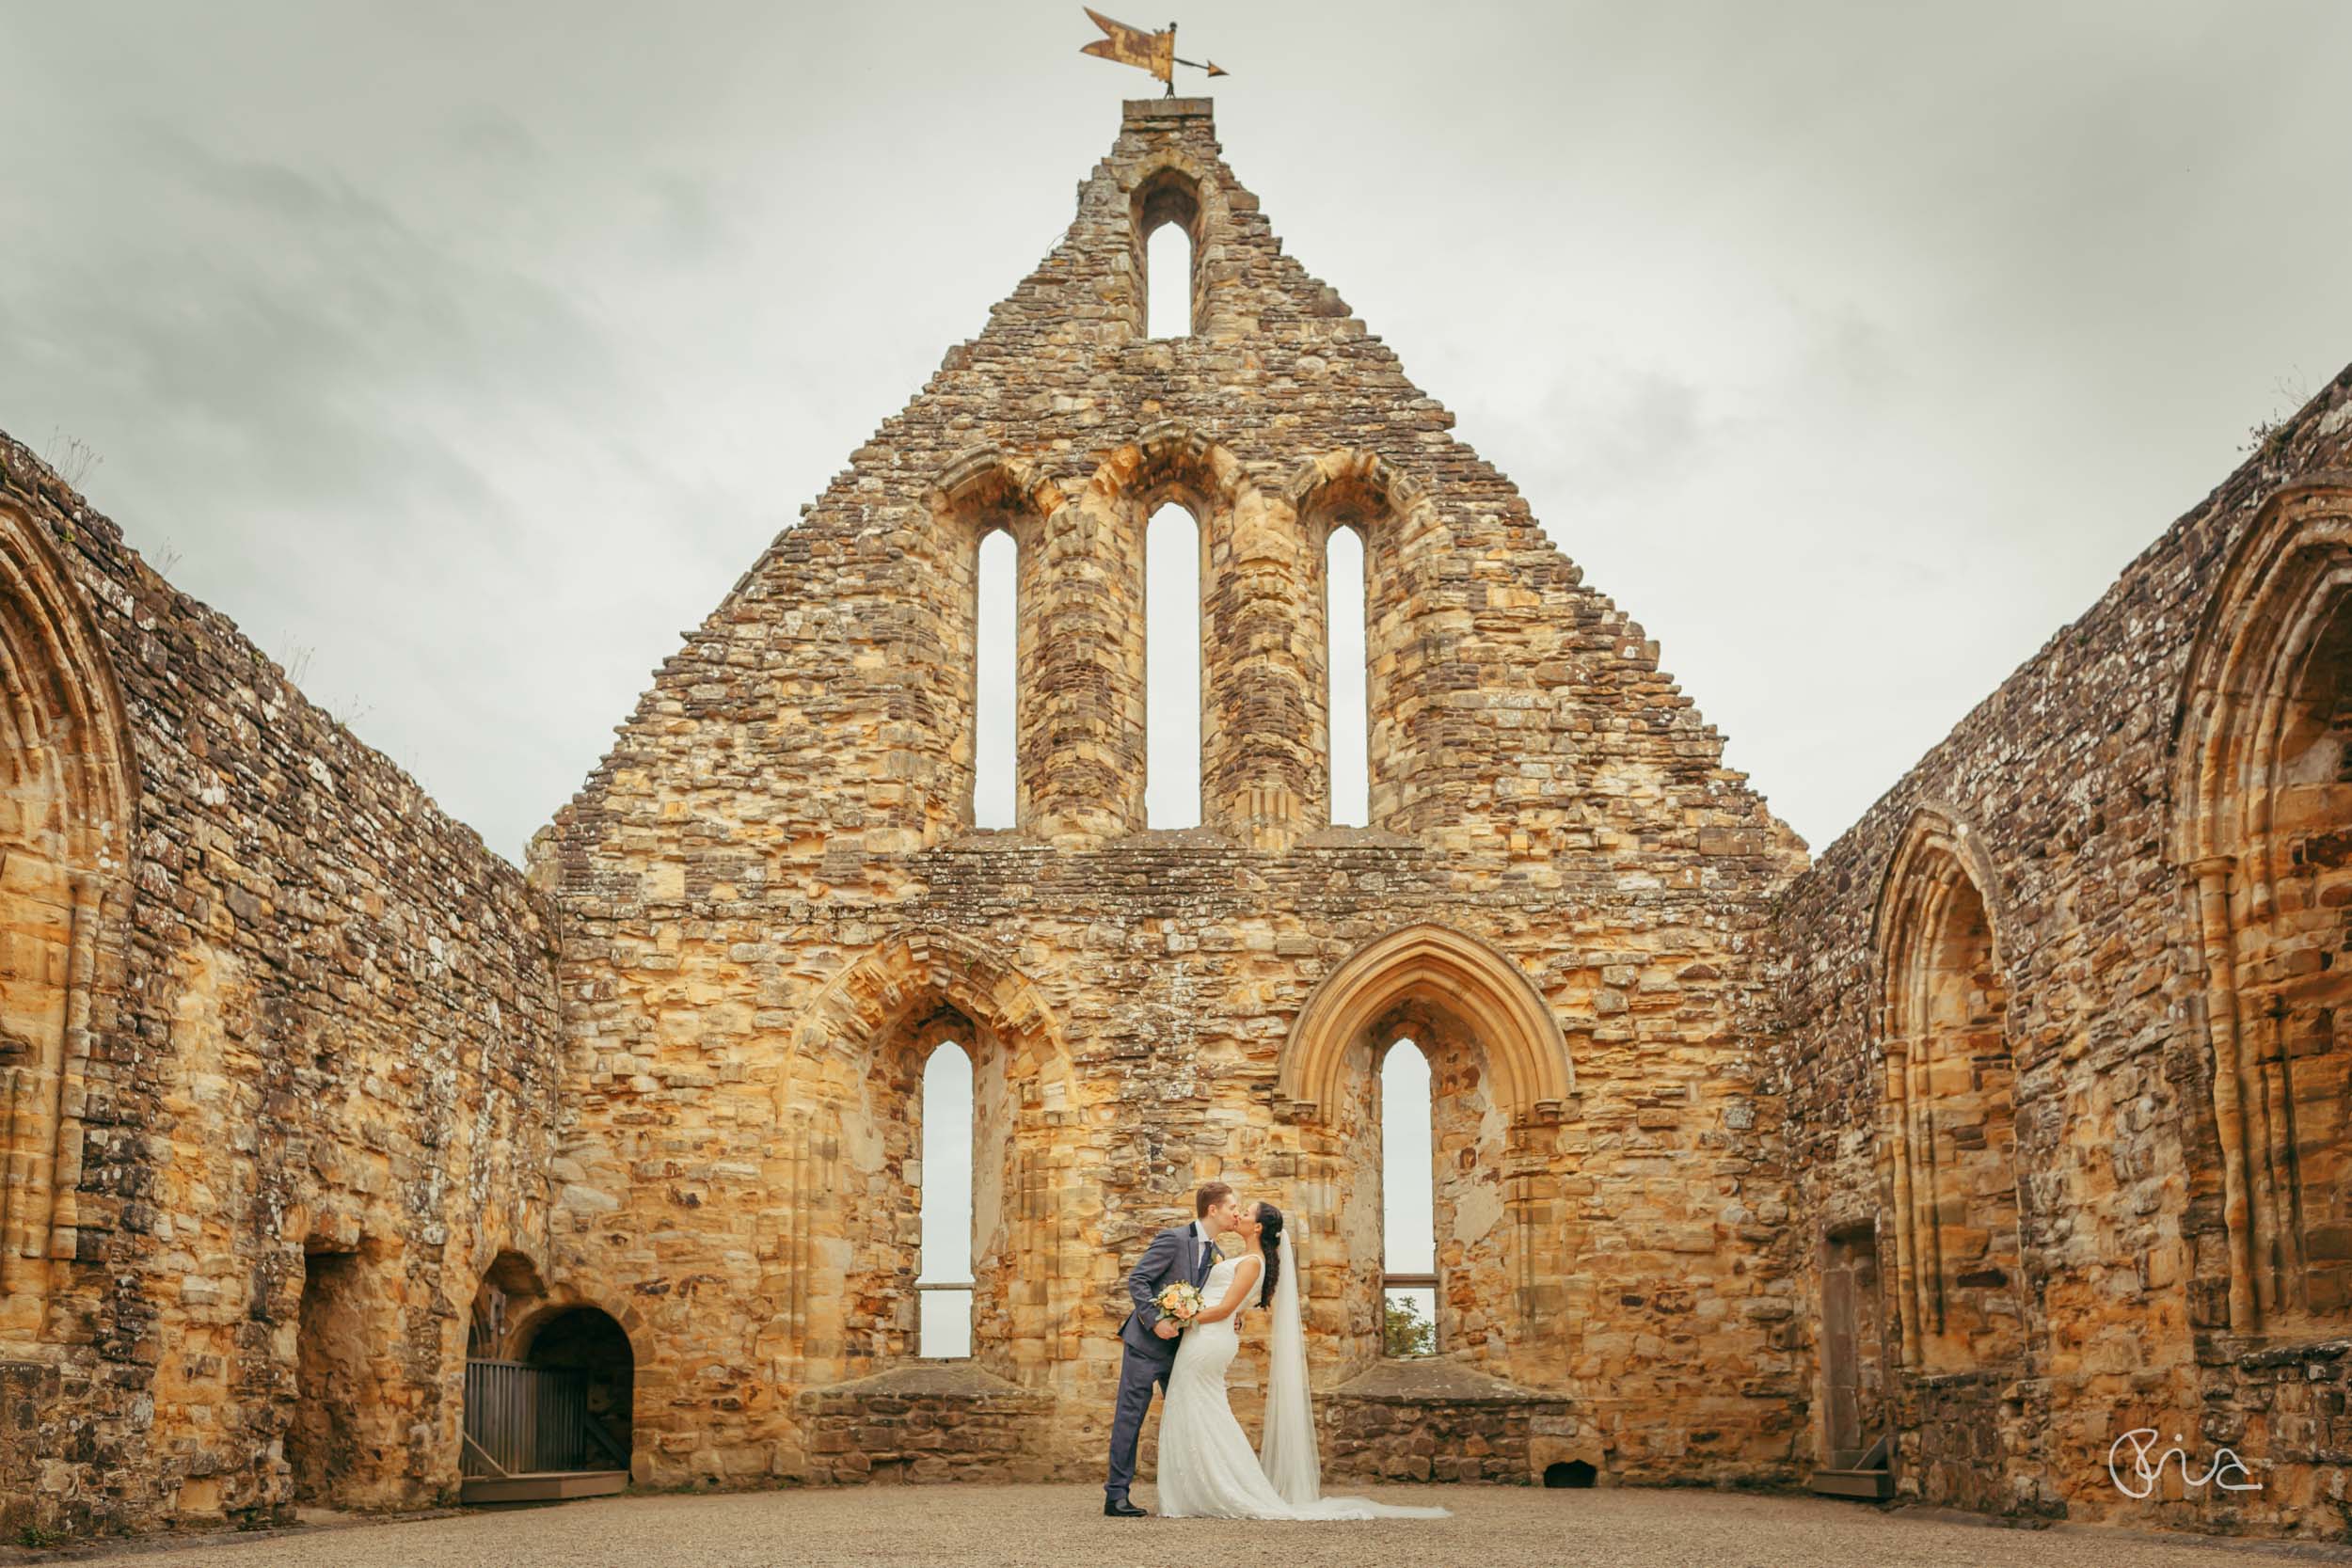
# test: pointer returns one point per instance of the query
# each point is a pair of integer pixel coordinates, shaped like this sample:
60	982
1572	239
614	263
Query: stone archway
588	1343
2262	831
1947	1156
1501	1081
552	1378
1449	970
66	825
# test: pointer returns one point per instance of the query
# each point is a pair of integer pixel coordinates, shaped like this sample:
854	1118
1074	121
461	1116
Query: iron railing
522	1418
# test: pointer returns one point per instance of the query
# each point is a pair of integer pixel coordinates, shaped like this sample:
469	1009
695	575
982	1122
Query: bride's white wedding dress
1206	1468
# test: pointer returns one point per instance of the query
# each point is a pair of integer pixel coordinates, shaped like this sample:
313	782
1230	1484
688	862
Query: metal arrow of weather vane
1152	52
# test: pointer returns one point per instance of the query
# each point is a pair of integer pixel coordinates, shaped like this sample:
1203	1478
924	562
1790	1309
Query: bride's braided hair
1269	1239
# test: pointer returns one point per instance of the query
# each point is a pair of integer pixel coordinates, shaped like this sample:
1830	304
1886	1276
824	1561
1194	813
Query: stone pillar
2249	1295
1910	1288
1081	730
1263	772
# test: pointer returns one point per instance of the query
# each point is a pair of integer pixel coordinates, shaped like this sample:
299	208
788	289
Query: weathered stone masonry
2060	1058
2017	1121
277	1047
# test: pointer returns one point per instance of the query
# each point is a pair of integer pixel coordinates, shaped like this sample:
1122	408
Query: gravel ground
1493	1527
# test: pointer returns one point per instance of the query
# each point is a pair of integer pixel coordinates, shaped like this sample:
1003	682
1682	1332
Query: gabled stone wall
773	895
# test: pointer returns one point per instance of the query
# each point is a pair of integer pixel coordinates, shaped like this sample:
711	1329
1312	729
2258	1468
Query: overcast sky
467	353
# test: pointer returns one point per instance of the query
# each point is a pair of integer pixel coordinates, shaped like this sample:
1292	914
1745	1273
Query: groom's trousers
1139	1375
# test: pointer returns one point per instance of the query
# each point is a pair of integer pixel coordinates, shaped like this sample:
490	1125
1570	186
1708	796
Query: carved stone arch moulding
2244	802
983	482
1493	998
1936	832
859	1006
1171	461
66	754
1349	480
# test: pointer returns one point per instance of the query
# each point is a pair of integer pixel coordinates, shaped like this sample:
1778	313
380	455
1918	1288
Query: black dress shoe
1120	1508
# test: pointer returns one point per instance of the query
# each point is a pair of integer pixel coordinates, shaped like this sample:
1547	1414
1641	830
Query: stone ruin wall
2062	801
774	903
279	1070
278	1043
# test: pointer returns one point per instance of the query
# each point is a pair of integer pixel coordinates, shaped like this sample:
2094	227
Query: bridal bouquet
1181	1302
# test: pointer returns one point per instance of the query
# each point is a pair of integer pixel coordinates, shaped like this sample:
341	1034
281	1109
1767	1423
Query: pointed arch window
2263	828
995	682
1409	1251
1349	753
1166	213
943	1276
1172	661
1168	279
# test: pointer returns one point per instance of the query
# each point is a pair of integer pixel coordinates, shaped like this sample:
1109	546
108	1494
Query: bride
1206	1468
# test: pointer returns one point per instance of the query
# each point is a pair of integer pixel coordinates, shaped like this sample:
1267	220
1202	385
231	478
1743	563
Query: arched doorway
584	1345
549	1402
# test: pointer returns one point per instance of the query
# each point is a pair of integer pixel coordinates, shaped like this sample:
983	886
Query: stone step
1877	1485
540	1486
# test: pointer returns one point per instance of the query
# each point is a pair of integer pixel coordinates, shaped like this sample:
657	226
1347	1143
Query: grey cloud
1850	350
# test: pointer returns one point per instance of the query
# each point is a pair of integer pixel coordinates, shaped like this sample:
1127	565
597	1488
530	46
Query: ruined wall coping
1436	1382
1136	109
927	1380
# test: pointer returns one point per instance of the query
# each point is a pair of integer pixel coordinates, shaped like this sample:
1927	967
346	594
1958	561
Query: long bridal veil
1287	1451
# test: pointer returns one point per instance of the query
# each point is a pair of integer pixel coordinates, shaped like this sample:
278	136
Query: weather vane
1152	52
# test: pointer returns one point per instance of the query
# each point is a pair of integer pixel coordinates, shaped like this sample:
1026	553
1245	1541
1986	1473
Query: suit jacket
1180	1253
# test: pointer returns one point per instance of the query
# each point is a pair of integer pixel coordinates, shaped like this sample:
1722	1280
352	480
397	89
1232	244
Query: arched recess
849	1115
2262	830
67	821
587	1416
589	1342
1391	512
1949	1154
1500	1085
980	492
1172	188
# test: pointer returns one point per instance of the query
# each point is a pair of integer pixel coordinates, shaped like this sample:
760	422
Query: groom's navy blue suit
1175	1257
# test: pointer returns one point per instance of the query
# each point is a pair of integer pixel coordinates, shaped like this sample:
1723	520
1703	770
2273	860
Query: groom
1184	1255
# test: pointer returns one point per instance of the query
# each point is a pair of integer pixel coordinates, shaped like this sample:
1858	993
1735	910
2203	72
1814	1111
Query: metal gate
522	1419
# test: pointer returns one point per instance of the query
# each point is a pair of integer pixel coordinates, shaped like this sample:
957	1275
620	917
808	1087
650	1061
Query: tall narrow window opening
1171	655
993	796
1350	754
944	1189
1407	1205
1167	277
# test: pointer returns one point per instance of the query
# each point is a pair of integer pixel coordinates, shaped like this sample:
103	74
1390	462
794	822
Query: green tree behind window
1406	1332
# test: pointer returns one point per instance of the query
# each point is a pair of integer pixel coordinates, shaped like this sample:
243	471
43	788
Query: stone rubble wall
2060	778
1431	1420
926	1423
327	1027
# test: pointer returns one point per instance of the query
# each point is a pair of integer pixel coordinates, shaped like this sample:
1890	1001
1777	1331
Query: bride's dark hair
1269	1239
